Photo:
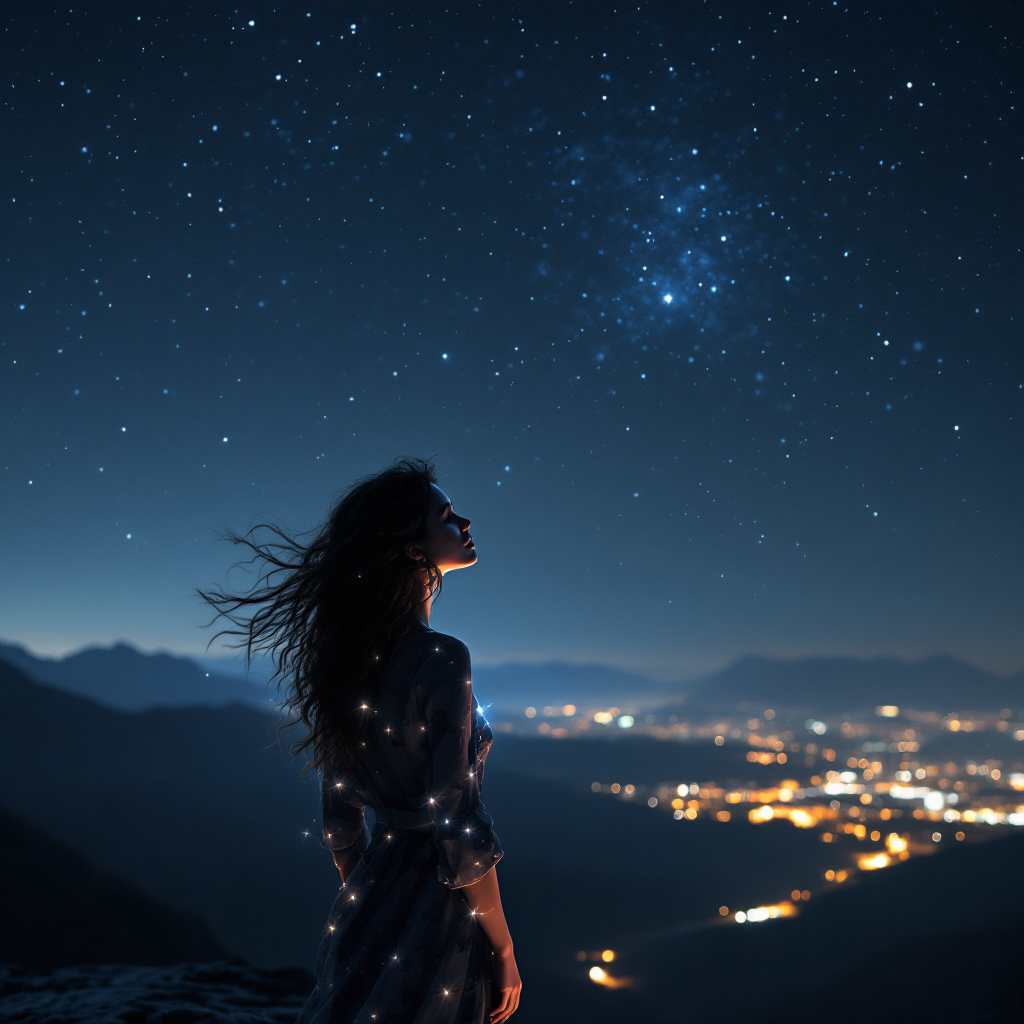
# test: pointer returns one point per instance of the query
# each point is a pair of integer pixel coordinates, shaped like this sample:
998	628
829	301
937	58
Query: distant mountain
59	909
838	685
517	685
258	671
124	678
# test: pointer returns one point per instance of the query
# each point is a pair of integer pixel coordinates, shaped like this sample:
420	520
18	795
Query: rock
189	993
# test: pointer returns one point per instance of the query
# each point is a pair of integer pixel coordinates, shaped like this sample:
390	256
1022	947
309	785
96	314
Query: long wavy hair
331	607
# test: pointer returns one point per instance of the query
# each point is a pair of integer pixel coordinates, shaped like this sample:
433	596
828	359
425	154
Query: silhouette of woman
417	932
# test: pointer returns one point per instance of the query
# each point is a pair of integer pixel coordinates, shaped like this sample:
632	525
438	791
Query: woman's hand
346	860
507	985
484	901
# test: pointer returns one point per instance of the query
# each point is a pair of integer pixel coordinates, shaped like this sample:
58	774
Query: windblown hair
331	612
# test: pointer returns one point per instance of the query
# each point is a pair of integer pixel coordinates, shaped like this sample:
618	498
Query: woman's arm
484	901
467	847
344	820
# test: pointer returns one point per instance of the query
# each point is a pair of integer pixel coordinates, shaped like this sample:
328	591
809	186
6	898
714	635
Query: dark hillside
938	900
990	957
186	803
850	942
59	909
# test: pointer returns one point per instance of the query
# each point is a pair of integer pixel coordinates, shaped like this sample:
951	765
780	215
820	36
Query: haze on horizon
711	320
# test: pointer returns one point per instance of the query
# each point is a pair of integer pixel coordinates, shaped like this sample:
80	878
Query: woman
417	932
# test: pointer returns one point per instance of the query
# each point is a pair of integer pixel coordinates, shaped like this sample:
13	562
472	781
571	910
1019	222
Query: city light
600	976
895	844
873	861
802	817
757	914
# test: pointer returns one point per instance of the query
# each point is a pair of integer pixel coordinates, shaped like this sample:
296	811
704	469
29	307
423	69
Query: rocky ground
191	993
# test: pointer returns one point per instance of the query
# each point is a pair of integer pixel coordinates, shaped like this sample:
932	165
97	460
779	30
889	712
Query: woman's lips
469	543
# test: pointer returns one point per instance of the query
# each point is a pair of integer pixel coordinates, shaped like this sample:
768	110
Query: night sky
709	313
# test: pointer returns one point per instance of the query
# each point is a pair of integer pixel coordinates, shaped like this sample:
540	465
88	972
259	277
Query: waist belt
392	817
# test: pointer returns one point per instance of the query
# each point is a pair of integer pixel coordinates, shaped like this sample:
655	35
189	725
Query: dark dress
400	944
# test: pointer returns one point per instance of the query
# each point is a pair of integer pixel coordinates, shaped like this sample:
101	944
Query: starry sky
709	314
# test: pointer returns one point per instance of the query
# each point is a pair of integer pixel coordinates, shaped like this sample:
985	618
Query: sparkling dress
400	944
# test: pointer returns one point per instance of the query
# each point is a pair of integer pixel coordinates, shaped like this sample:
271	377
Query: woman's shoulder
444	651
439	657
425	651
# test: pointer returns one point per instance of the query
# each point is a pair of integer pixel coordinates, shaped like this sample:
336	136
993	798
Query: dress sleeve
463	830
343	818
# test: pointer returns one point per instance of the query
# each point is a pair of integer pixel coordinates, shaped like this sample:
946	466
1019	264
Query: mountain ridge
124	678
843	684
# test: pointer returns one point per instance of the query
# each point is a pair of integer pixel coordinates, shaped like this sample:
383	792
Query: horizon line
491	664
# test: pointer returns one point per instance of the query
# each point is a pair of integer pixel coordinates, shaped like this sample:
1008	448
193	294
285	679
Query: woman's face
447	541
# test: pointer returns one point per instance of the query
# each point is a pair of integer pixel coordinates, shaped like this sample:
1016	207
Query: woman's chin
466	558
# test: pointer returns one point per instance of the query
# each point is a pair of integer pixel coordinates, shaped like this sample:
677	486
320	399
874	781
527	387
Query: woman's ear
414	552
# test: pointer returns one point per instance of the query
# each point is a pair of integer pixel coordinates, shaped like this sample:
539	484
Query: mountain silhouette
123	677
516	685
839	685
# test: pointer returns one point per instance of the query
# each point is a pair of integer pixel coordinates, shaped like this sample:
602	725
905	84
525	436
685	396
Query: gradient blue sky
711	317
